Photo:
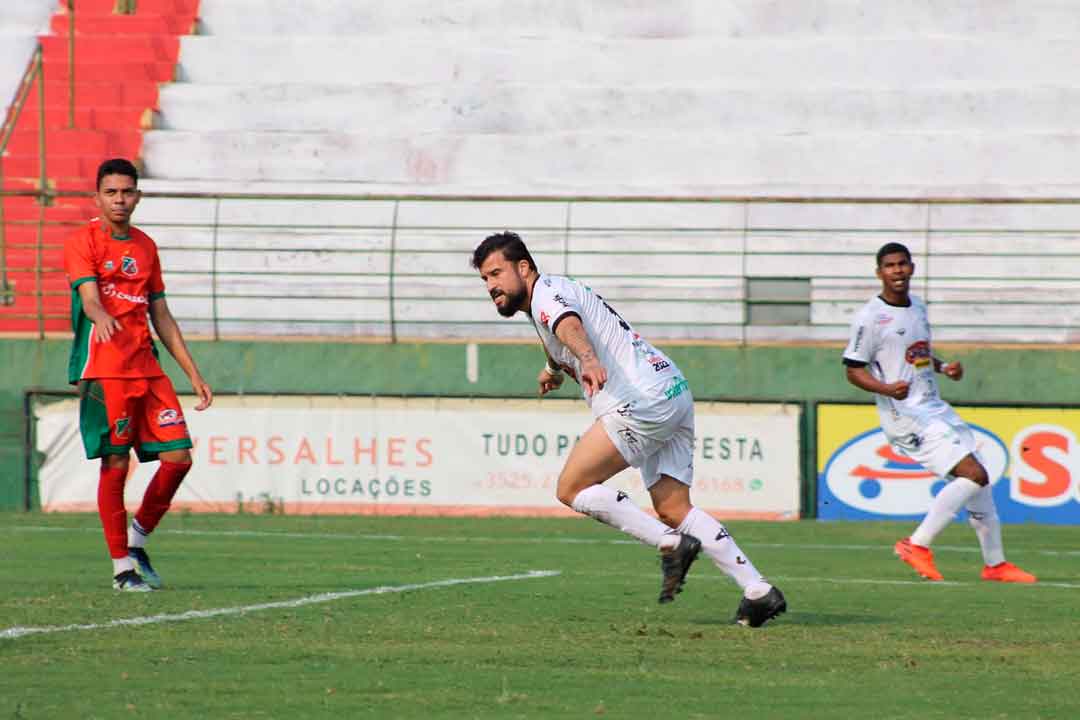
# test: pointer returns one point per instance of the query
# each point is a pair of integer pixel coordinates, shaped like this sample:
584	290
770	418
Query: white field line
534	540
17	632
780	579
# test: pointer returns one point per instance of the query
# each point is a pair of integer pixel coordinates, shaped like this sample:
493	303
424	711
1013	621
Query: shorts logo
169	417
128	266
123	426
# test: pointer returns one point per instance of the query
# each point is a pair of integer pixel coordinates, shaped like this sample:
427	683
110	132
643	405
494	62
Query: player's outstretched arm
861	378
173	340
105	325
572	334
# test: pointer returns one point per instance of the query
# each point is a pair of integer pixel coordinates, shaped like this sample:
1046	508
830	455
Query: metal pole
71	64
43	202
393	250
214	270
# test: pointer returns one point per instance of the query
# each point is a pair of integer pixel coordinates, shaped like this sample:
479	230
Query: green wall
791	373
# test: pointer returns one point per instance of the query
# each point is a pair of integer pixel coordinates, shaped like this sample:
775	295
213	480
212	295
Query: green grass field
862	638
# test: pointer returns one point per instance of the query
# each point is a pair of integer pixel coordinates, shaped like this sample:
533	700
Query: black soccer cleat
675	564
129	581
756	613
146	570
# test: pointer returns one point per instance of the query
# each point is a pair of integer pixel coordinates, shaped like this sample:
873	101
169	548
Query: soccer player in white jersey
889	354
644	417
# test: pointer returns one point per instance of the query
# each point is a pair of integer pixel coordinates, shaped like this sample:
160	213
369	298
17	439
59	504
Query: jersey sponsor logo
128	266
122	427
918	354
168	417
561	300
110	290
544	318
676	388
867	477
858	339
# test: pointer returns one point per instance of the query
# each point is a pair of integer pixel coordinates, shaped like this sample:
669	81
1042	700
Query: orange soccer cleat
1006	572
919	557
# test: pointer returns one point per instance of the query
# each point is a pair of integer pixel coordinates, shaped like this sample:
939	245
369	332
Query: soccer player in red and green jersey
126	401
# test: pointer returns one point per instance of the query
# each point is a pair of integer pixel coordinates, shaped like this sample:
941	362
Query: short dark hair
509	243
889	249
116	166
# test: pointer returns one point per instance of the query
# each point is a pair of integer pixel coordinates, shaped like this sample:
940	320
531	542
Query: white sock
119	565
982	515
943	509
620	512
718	544
136	535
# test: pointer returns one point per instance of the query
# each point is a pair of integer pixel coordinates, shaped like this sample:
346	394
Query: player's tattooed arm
572	334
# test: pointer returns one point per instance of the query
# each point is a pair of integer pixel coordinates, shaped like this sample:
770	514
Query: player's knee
976	473
114	462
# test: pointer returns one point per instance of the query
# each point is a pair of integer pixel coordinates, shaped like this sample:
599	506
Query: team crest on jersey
123	426
128	266
168	417
918	354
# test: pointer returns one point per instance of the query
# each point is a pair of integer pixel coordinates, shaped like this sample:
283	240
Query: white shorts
656	436
940	443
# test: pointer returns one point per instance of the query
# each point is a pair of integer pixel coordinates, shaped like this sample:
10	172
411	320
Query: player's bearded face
512	301
505	284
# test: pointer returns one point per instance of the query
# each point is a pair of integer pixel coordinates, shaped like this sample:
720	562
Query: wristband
553	370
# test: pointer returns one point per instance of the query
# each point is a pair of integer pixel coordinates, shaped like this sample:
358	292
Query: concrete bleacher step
632	18
525	109
600	163
142	23
440	57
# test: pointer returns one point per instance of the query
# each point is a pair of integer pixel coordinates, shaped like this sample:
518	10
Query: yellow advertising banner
1031	455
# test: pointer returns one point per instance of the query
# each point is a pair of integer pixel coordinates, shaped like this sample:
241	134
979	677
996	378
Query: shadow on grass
807	619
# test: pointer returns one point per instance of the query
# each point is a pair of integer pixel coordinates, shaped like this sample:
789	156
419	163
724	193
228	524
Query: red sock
110	500
159	494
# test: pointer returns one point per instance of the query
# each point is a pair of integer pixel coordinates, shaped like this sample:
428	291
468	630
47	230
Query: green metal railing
392	278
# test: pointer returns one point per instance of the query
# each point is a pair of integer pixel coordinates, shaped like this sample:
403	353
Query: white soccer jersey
894	342
635	368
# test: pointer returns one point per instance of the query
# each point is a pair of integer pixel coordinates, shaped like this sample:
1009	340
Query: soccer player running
644	417
889	354
125	400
